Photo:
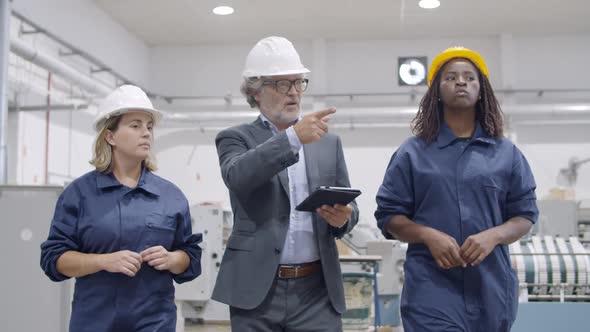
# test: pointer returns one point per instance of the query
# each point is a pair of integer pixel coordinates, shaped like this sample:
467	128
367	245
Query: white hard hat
124	99
273	56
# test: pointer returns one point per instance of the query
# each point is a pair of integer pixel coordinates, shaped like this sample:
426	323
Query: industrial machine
367	240
553	268
194	298
552	264
29	301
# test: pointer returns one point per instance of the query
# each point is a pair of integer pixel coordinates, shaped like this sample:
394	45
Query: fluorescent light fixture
223	10
429	4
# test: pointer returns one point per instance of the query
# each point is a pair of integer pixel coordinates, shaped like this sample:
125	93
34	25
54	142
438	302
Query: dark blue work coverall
97	214
459	187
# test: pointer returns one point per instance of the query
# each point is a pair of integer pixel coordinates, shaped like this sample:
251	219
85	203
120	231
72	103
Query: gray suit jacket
254	168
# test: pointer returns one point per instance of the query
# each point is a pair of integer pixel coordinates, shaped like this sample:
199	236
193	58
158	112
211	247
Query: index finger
149	251
323	113
135	255
466	246
457	257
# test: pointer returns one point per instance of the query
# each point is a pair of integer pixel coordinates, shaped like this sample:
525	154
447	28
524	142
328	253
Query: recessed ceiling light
223	10
429	4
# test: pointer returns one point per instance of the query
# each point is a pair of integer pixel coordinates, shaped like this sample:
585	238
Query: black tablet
328	196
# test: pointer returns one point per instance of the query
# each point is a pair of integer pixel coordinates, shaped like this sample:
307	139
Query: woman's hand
478	246
444	249
161	259
124	261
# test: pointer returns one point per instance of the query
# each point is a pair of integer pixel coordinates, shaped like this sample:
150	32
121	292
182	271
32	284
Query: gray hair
250	86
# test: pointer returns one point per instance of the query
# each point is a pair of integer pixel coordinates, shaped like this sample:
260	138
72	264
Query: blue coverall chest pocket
487	186
159	231
490	197
488	183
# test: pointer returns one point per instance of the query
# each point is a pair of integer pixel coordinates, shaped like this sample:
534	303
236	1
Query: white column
4	54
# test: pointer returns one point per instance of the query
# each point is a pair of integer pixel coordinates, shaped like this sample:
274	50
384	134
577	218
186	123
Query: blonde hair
102	157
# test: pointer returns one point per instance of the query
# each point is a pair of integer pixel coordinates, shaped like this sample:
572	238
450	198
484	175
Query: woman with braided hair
458	192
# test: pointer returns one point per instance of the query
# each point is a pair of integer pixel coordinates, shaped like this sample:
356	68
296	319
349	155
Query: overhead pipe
15	79
349	114
54	107
59	68
365	114
345	114
417	91
219	102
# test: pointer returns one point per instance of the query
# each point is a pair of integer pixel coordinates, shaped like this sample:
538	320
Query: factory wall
516	62
83	24
189	159
187	155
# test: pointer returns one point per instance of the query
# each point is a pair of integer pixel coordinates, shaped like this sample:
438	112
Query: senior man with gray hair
280	271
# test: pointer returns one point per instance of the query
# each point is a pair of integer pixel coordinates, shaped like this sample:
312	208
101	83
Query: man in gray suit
280	271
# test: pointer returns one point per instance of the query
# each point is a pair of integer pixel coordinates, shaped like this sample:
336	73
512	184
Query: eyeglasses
284	86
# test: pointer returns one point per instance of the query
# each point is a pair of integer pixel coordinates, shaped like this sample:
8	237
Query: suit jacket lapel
260	131
311	166
262	134
312	155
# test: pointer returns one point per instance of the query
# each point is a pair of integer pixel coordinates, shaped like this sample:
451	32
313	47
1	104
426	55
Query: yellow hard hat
453	53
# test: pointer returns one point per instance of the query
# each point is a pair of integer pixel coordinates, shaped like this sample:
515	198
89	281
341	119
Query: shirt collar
266	122
446	136
146	181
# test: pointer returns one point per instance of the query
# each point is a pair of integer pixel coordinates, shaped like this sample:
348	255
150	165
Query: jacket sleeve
521	200
245	168
342	180
396	194
185	240
62	232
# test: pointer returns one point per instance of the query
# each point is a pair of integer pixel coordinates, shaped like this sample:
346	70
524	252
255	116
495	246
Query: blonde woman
123	232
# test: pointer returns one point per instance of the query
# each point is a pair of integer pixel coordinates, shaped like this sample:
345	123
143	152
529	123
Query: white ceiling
185	22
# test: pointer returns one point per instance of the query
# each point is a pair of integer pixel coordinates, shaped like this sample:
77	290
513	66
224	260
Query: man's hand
478	246
124	261
313	126
336	215
444	249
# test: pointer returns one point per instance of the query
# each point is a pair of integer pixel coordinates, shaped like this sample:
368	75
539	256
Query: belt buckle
290	268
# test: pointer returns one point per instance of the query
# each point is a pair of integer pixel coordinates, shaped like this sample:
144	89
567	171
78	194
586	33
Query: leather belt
298	271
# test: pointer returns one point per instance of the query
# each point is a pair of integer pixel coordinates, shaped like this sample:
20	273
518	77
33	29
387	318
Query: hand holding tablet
325	195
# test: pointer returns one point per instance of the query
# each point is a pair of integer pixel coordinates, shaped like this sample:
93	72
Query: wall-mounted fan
411	70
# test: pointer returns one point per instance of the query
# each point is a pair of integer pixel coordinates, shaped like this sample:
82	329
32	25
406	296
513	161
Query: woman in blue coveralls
123	232
458	192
